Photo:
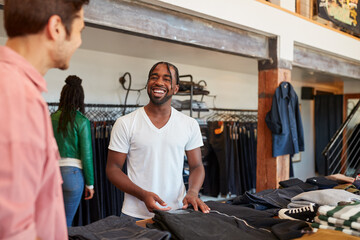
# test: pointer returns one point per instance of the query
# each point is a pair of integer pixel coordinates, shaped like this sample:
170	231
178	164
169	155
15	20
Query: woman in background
73	136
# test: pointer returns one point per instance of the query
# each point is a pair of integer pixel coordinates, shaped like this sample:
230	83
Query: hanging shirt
284	121
155	157
31	201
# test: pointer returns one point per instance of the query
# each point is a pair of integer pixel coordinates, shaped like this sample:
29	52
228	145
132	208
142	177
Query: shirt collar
286	90
10	56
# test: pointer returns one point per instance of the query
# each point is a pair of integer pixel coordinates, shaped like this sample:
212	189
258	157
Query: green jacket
77	143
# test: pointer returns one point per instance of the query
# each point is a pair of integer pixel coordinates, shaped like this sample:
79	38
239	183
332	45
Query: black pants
218	144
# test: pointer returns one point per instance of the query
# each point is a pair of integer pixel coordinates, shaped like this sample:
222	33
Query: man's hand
89	193
193	199
150	199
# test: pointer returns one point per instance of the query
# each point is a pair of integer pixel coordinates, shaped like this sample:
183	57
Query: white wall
101	71
287	4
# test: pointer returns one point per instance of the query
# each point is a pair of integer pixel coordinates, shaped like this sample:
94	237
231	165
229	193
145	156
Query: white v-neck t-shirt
155	157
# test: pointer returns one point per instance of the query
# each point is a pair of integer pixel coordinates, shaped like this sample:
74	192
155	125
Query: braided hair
71	100
168	65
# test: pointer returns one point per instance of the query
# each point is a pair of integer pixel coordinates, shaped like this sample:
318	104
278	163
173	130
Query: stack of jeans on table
267	199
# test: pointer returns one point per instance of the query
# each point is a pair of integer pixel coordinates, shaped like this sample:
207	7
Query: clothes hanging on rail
107	199
230	162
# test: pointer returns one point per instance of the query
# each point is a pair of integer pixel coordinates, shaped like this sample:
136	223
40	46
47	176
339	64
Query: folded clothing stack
297	182
322	197
341	218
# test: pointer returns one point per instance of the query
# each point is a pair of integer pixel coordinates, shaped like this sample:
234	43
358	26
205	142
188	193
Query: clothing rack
101	112
229	114
230	140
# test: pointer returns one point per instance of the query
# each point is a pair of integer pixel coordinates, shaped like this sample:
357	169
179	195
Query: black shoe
307	213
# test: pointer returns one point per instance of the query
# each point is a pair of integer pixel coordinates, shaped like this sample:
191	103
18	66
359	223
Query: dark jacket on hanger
284	121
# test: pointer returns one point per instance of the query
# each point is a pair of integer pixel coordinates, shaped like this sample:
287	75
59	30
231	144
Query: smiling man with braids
153	141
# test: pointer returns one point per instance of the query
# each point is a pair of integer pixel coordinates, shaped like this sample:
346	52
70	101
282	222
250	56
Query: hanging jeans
218	144
73	187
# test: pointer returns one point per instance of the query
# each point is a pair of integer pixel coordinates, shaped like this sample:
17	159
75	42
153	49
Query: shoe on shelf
307	213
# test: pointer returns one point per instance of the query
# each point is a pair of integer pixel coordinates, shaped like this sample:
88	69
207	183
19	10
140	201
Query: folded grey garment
329	197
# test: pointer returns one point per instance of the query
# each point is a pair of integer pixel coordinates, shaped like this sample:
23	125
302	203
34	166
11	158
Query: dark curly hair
71	100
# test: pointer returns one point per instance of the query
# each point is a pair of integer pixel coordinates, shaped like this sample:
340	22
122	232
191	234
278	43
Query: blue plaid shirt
284	121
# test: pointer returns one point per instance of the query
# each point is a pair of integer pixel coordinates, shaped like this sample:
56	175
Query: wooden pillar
270	170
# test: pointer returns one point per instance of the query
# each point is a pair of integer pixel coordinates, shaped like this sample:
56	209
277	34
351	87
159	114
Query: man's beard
157	101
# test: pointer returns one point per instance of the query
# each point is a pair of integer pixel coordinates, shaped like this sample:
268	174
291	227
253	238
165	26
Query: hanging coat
284	121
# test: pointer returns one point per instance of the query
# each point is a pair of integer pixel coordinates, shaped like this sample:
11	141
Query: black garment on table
328	118
224	222
270	198
297	182
282	228
116	228
322	182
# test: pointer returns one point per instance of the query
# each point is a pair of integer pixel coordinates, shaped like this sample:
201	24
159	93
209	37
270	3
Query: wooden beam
270	170
298	6
319	61
274	61
151	21
155	22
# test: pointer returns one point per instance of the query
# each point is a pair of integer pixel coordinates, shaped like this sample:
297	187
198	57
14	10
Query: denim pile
226	222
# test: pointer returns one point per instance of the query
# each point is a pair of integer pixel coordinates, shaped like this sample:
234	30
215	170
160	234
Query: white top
73	162
155	157
70	162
